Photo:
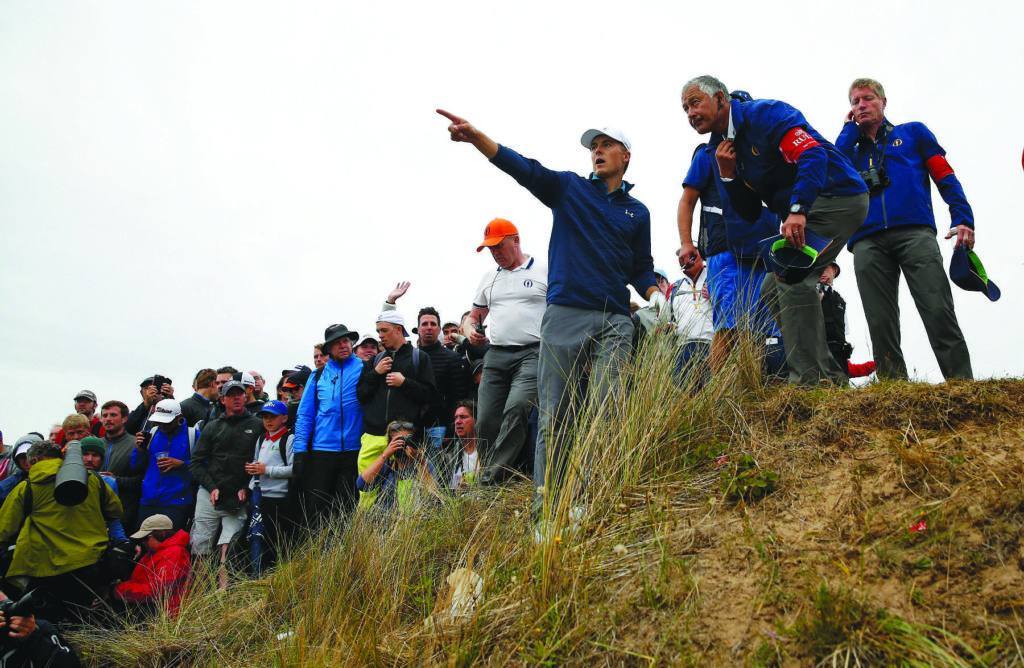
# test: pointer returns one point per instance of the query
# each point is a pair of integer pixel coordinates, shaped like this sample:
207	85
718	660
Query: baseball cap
151	524
661	272
615	133
165	411
230	385
792	265
395	318
22	445
299	378
496	230
274	408
88	394
967	271
245	378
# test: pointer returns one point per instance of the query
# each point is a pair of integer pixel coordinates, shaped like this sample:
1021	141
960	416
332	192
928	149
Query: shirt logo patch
527	283
898	142
753	149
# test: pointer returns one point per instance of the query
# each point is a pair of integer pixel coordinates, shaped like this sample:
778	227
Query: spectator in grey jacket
272	467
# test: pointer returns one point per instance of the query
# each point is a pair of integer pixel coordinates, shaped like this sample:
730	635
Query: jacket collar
735	119
623	188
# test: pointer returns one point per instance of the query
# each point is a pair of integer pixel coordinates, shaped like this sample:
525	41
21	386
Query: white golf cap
165	411
615	133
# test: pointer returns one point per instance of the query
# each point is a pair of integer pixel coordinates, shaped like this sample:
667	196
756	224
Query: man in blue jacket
600	243
899	234
771	154
328	428
167	485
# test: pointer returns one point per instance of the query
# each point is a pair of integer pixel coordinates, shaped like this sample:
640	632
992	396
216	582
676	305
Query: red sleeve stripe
938	167
795	143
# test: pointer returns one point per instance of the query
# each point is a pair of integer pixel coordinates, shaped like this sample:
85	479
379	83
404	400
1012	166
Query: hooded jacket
56	539
226	444
330	409
160	575
383	403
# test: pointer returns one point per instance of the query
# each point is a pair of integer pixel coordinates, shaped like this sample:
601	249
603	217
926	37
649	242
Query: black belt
516	349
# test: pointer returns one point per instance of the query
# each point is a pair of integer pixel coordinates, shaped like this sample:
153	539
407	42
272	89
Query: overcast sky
196	184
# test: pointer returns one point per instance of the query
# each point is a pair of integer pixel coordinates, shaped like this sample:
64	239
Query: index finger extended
450	116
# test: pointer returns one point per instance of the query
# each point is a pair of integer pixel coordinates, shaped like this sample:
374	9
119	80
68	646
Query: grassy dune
740	526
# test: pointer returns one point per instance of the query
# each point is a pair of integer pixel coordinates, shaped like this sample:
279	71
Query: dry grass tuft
890	533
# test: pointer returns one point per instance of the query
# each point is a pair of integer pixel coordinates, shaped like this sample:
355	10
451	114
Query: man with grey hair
770	153
600	242
899	233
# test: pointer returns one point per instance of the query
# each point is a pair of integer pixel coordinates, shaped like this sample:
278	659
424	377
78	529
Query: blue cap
792	265
274	408
966	270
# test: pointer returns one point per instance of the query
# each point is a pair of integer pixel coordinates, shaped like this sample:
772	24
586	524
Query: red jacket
160	576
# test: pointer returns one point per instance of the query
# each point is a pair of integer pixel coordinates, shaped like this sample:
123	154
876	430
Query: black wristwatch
799	209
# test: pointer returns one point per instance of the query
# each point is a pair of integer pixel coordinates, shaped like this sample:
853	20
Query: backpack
191	438
284	451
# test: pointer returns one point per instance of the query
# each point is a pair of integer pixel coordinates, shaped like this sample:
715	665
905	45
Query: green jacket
56	539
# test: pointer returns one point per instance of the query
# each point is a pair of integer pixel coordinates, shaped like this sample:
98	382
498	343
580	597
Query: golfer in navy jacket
600	243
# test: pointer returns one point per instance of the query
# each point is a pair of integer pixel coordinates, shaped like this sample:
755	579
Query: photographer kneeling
162	574
395	471
26	641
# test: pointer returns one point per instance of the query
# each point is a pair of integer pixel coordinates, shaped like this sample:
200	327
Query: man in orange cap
515	296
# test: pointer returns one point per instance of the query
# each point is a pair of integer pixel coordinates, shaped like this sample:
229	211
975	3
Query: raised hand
400	289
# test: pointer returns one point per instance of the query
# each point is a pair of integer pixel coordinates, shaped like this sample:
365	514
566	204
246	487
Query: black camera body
407	442
24	607
876	180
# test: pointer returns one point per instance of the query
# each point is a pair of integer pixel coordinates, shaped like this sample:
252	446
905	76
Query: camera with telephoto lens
24	607
876	180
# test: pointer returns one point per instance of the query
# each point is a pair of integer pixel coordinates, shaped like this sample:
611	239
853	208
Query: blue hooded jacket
330	409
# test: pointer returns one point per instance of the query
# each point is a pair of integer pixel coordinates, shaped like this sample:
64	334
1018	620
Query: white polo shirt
515	301
691	310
